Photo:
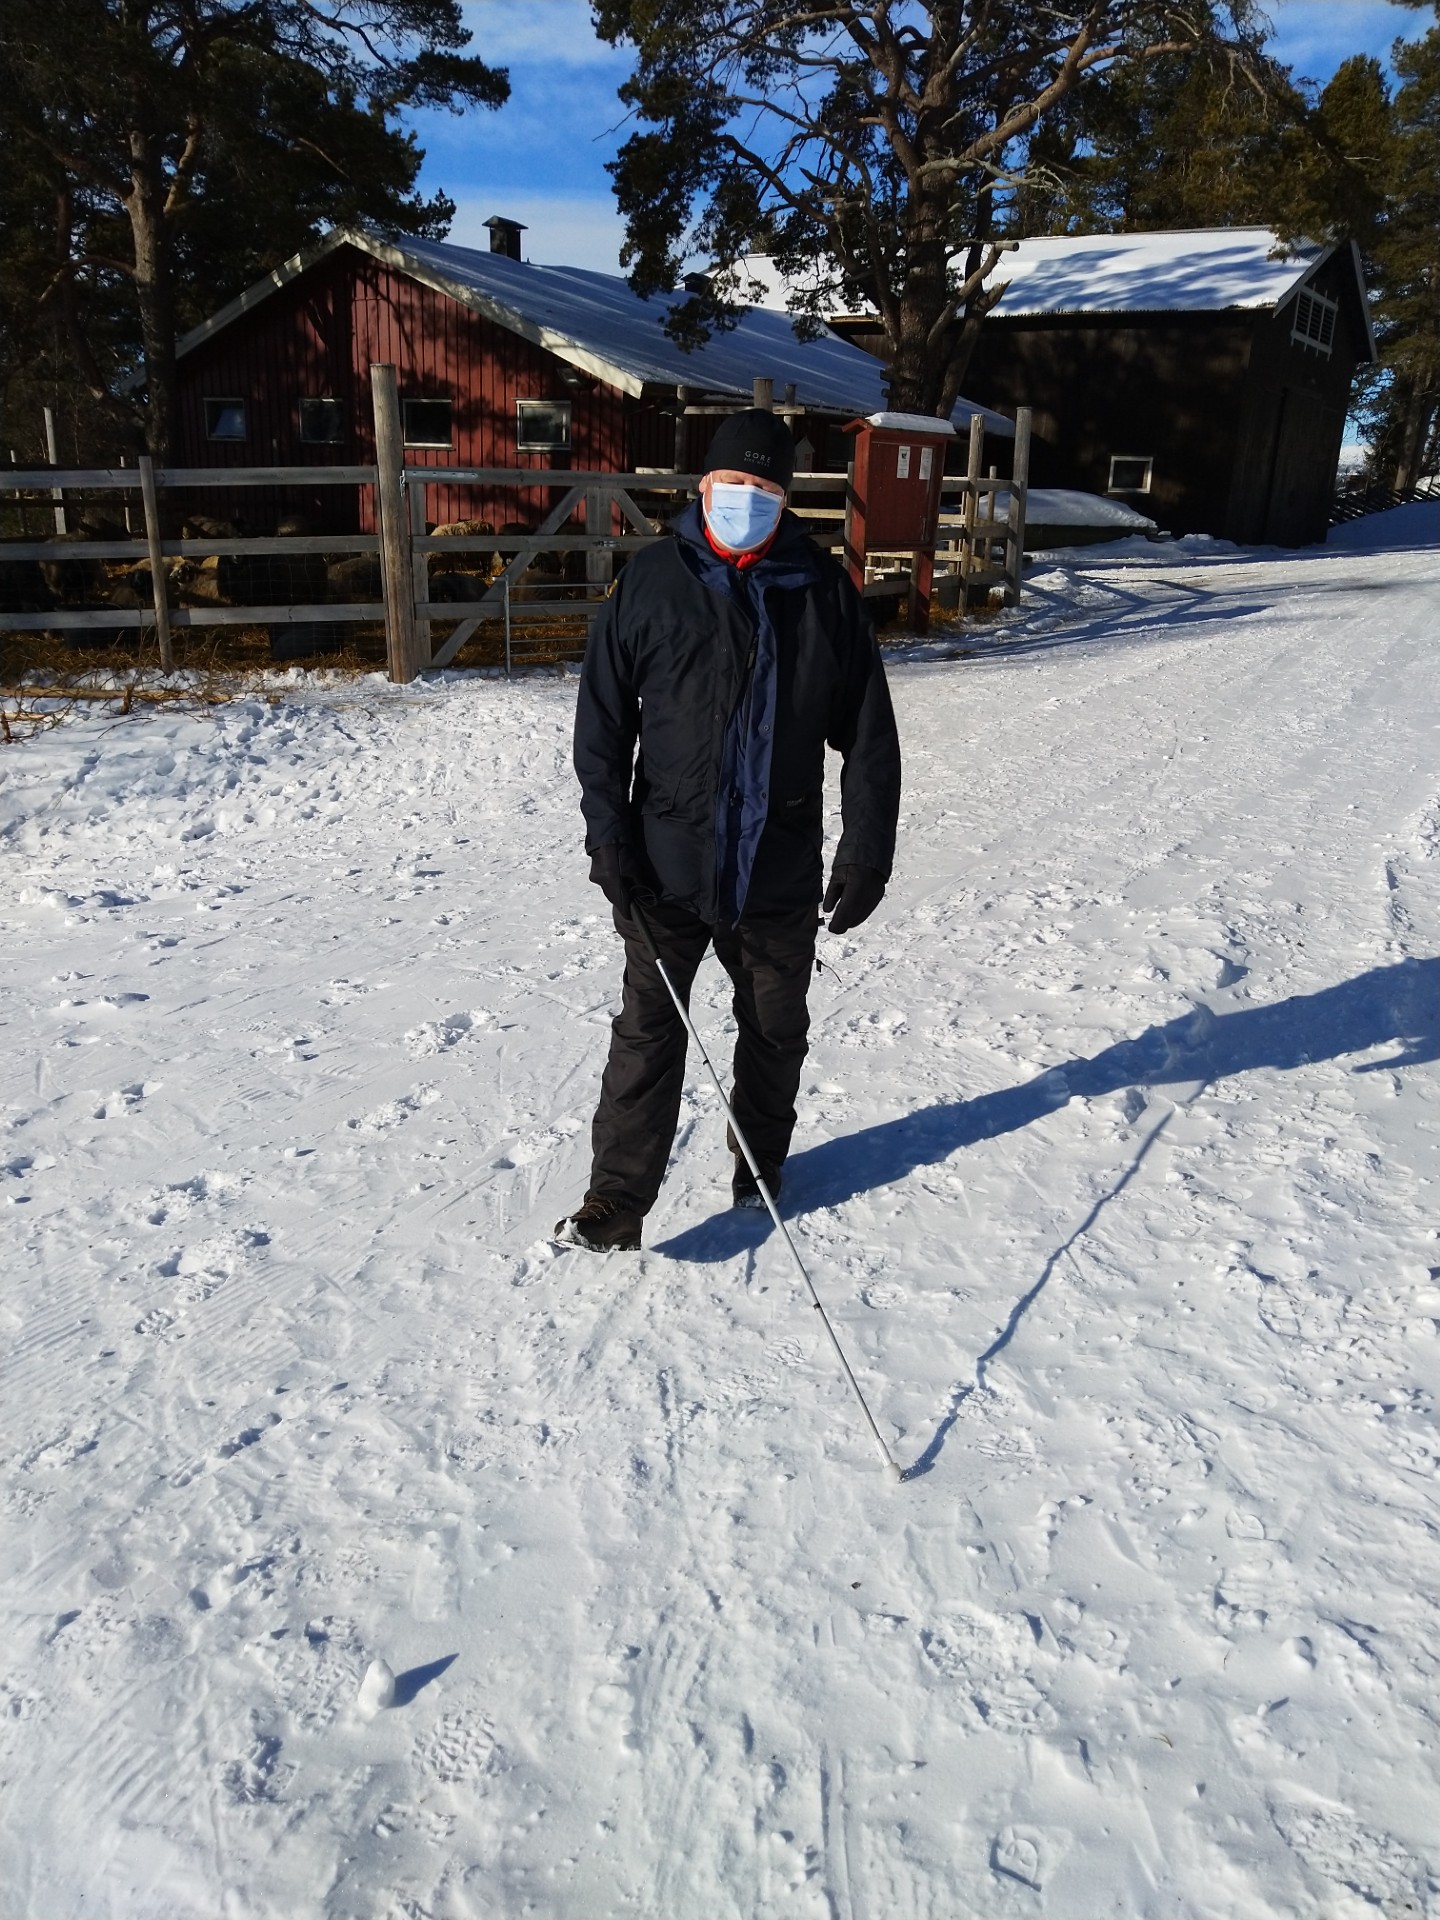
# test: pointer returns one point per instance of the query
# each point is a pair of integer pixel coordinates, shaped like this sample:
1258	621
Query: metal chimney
505	236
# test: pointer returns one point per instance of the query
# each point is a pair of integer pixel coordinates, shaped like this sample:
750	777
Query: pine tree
1189	145
868	145
170	150
1401	404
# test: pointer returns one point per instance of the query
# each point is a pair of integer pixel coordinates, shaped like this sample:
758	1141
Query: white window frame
427	400
527	444
1313	322
324	400
214	403
1145	460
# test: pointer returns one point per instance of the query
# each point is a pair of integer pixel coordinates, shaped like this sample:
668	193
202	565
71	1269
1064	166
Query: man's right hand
617	872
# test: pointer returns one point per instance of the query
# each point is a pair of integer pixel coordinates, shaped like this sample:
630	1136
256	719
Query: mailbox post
892	503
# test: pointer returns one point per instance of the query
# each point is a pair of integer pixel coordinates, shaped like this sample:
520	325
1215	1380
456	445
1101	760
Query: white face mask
742	518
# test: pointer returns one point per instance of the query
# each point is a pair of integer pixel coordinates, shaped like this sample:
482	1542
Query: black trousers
769	961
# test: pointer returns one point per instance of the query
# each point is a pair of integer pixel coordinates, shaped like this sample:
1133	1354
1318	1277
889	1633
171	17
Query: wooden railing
615	521
1358	502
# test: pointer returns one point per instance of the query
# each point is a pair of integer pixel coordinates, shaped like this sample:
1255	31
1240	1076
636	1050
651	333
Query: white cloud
565	230
1314	36
552	33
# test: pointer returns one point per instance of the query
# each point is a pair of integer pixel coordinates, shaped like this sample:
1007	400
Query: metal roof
1204	270
598	324
1193	272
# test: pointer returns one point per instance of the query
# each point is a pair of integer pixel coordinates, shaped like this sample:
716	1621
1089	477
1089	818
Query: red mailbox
893	504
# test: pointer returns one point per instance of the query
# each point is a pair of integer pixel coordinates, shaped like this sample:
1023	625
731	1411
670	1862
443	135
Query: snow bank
1066	507
1115	1171
1397	530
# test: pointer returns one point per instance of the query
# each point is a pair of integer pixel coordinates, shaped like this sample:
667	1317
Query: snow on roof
1198	271
598	324
910	422
1194	272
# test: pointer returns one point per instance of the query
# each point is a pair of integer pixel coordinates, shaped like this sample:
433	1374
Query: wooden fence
980	549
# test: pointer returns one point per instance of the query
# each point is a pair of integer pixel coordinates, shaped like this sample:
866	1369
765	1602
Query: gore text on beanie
754	442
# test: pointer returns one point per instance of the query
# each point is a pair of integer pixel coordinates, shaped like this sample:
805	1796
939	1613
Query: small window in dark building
322	423
224	419
1314	322
427	422
542	426
1129	473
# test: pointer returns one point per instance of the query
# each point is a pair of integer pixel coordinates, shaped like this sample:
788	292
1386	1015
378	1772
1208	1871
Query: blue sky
541	158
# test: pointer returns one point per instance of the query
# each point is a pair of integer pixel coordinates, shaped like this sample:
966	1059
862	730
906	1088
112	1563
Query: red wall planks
318	336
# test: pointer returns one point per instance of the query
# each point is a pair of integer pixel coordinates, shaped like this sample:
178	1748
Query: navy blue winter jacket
708	697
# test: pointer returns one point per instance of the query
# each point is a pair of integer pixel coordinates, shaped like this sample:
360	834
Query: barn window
1314	322
1129	473
542	426
322	423
224	419
427	422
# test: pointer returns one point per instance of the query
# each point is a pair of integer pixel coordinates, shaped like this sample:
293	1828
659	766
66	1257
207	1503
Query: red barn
501	364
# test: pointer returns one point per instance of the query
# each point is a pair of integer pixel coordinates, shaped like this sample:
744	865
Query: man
729	657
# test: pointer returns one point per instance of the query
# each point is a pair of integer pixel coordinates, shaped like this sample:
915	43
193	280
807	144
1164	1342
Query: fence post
970	510
158	584
599	519
1019	489
420	568
682	400
764	393
52	454
395	572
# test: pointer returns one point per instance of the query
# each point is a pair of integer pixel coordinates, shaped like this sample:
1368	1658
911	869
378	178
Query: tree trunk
1418	413
965	338
145	204
125	418
915	376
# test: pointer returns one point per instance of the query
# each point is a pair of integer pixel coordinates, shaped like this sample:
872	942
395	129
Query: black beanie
754	442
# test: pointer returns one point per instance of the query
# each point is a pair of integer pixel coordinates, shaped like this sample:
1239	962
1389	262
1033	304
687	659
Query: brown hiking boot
603	1225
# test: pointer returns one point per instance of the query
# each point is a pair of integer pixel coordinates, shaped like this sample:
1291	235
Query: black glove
620	875
854	892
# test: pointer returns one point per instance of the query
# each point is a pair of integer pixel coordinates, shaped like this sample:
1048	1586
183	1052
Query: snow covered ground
1116	1169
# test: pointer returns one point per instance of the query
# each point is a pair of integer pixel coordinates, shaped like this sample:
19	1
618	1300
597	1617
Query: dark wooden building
501	364
1202	377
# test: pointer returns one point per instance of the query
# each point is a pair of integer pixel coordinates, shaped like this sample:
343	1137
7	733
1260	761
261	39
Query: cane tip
893	1469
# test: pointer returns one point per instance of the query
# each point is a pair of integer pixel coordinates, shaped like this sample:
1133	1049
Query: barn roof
1202	271
598	324
1205	270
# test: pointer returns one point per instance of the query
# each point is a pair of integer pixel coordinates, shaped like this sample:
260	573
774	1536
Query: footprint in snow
438	1036
1015	1856
459	1750
123	1100
610	1714
394	1112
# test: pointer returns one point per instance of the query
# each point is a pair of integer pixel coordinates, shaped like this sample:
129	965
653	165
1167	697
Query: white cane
765	1193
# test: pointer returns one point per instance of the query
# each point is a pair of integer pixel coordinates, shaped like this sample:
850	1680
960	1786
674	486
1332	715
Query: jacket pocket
802	814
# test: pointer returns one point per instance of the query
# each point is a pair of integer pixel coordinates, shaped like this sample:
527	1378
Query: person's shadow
1389	1004
1398	1003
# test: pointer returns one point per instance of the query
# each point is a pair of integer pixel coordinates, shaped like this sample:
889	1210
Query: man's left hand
854	893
